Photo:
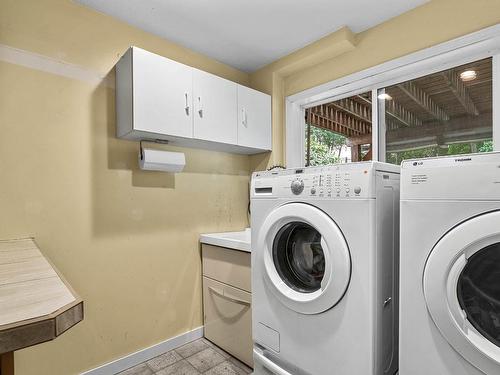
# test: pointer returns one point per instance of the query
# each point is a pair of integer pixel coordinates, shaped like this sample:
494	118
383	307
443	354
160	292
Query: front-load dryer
324	270
450	266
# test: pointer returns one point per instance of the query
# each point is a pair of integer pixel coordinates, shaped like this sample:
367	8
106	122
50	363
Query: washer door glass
303	258
299	257
478	292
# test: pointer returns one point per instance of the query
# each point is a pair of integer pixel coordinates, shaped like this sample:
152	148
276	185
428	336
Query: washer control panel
327	182
340	181
336	184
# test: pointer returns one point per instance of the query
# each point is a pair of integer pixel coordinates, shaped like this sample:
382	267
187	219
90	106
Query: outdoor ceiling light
468	75
385	96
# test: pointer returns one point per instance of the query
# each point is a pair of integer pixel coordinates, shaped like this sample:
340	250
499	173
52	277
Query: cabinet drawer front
228	266
228	319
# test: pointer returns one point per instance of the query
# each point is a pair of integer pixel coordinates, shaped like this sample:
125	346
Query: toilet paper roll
158	160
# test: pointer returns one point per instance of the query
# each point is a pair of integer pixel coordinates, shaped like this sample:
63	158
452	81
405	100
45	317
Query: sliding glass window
339	131
445	113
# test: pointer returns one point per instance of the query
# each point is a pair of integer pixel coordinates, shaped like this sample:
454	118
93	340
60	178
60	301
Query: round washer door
462	290
304	257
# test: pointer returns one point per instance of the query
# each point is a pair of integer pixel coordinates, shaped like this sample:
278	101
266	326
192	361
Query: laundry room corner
126	239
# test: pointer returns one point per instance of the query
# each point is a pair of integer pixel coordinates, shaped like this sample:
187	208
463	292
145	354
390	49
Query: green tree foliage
486	146
453	149
326	146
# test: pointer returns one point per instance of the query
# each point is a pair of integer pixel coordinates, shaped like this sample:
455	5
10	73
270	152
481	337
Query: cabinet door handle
244	117
186	108
229	297
387	301
200	108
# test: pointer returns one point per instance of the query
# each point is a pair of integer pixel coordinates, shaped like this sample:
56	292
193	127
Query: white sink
232	240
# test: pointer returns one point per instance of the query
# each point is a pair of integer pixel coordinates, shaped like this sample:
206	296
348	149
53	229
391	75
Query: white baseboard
146	354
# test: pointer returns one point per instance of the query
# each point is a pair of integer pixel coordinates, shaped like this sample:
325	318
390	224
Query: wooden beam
458	124
355	153
325	122
355	109
324	116
368	155
460	91
397	112
391	123
424	101
401	114
366	100
471	129
364	139
476	82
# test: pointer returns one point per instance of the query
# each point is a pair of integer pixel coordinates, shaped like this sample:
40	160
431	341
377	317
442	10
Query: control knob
297	186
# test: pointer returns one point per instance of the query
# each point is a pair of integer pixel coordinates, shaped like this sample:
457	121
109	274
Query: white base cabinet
158	98
227	300
228	316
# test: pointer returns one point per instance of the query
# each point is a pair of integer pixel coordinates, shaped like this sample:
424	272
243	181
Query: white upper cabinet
157	98
215	103
254	118
159	94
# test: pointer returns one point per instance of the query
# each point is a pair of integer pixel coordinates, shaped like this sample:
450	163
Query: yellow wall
433	23
126	240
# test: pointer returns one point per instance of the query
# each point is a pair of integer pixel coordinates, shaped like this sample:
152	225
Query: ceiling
250	34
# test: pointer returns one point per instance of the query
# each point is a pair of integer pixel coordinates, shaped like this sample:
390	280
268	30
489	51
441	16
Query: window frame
466	49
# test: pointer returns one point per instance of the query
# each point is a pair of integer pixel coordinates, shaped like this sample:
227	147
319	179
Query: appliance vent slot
264	190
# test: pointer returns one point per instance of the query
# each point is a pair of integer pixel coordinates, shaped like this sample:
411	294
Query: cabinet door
215	103
254	118
228	319
162	95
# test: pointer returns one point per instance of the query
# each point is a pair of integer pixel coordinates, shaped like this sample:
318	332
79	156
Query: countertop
232	240
36	304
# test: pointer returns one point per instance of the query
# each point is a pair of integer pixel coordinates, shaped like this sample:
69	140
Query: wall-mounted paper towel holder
159	141
158	160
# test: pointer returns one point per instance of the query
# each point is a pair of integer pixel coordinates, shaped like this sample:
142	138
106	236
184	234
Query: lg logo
415	163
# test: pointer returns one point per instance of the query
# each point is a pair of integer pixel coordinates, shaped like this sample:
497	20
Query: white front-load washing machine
324	270
450	266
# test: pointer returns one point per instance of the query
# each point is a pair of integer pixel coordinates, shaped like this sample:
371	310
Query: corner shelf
36	303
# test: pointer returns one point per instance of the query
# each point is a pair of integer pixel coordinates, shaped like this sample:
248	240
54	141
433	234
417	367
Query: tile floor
197	357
